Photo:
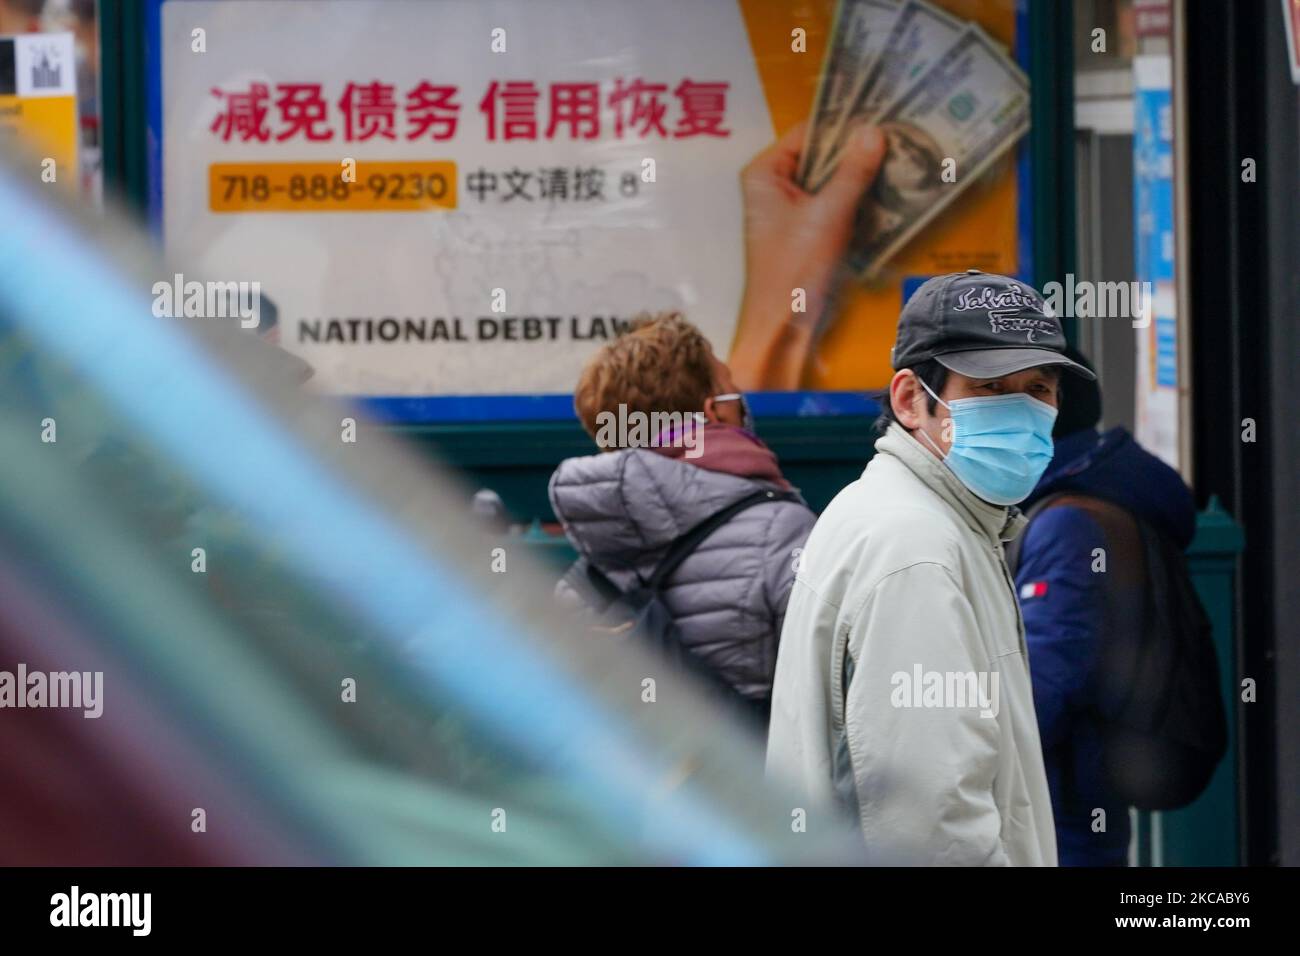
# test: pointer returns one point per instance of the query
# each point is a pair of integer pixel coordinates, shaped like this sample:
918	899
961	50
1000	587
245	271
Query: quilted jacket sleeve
786	535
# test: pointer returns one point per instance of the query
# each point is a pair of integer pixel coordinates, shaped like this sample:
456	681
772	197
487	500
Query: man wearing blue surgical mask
902	688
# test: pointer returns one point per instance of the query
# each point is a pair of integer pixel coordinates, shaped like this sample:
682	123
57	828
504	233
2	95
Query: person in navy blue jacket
1063	602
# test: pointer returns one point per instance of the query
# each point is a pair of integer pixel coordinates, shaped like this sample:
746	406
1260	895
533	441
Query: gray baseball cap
982	325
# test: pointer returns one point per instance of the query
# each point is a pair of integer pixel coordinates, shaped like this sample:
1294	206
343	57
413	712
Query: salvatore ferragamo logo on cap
1008	321
1003	308
986	297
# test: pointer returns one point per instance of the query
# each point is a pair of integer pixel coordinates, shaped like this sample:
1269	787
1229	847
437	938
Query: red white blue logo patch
1033	589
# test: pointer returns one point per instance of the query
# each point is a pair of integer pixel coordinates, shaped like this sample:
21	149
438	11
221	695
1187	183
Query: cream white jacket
902	681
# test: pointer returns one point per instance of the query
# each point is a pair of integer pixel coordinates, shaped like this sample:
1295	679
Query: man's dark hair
933	374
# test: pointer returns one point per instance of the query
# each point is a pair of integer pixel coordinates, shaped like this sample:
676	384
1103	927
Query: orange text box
322	187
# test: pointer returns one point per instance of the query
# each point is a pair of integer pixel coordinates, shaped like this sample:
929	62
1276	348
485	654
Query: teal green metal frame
123	119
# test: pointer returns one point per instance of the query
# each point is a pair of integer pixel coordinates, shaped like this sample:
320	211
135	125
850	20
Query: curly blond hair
662	363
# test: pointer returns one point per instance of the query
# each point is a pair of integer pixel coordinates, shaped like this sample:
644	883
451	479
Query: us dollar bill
857	35
918	36
969	108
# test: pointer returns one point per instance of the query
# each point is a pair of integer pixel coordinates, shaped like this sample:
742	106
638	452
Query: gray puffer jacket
622	509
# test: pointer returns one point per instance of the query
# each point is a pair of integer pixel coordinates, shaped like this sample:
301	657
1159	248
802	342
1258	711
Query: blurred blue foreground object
305	656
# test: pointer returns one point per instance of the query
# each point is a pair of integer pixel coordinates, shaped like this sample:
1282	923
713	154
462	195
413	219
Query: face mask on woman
746	417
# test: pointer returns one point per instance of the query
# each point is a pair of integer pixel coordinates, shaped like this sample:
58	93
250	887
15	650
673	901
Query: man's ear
905	393
711	411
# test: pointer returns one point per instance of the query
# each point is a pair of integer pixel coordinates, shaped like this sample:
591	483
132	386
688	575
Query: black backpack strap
1012	547
683	545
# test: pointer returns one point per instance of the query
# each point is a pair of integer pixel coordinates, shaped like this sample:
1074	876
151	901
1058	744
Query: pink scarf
728	449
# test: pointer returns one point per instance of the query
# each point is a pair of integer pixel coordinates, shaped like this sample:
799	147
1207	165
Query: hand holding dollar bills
795	246
948	100
913	105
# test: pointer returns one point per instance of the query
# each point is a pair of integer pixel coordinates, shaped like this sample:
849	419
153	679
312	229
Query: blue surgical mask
1001	444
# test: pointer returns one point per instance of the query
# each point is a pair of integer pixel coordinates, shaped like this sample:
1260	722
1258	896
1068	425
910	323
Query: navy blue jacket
1063	603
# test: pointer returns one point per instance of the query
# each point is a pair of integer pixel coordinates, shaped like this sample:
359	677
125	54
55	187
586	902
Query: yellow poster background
978	231
44	127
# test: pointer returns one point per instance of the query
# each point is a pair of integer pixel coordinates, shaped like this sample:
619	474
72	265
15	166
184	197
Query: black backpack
641	611
1156	693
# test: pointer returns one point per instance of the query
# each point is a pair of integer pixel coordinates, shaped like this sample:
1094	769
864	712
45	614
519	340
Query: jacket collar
994	522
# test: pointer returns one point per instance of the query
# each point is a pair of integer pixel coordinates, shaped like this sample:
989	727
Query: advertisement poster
1153	208
1291	20
38	102
451	204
